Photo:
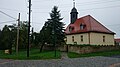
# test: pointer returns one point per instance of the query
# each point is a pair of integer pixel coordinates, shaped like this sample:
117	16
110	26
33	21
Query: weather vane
73	3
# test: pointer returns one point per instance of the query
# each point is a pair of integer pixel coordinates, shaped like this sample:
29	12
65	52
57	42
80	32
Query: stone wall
87	49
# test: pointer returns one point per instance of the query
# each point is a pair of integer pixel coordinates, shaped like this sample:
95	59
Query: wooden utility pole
18	34
32	35
29	28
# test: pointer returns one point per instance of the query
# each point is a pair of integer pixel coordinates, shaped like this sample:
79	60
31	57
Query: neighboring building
87	30
117	41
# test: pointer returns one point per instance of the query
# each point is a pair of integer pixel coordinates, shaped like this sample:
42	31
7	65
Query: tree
0	35
35	39
22	34
0	39
13	29
8	36
53	29
0	31
57	27
6	41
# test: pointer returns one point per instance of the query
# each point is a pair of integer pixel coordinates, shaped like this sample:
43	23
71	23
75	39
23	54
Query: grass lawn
107	53
34	55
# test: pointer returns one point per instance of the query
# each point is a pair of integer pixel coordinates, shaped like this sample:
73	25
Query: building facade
117	41
87	30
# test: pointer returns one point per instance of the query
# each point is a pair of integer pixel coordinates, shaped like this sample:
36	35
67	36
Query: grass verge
34	55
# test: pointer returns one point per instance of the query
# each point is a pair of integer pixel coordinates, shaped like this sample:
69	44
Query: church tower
74	13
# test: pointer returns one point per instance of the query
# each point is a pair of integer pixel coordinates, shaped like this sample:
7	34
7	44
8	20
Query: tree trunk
42	47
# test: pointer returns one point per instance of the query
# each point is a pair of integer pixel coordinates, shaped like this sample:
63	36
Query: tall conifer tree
53	29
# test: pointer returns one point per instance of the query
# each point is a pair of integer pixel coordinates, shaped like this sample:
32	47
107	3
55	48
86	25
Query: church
87	30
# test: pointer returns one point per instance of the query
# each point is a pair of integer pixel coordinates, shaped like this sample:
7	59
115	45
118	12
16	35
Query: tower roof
74	9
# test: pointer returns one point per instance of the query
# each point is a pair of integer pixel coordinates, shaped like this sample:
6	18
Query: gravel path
76	62
64	55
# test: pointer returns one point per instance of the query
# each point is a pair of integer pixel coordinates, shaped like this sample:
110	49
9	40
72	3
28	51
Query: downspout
89	32
89	37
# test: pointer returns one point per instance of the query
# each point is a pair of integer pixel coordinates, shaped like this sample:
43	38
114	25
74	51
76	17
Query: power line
101	8
89	3
41	0
7	21
26	2
7	15
113	25
12	9
65	11
97	2
87	9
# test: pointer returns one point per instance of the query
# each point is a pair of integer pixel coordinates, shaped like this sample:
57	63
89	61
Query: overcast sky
107	12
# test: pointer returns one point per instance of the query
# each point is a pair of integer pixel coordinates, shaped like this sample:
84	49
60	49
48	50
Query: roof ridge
90	21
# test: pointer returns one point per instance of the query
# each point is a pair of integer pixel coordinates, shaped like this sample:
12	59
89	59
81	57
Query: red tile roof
90	25
117	40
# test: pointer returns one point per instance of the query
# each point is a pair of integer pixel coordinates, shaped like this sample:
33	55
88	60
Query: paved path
75	62
64	55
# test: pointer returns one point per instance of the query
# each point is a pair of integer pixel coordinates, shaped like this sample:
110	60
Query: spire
73	3
73	13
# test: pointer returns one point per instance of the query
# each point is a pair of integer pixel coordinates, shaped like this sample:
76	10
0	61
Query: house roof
117	40
89	25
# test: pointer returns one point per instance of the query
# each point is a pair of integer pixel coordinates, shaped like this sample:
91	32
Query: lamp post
53	32
66	44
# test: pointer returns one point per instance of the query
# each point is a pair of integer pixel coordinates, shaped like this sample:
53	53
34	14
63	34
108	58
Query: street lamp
65	39
53	32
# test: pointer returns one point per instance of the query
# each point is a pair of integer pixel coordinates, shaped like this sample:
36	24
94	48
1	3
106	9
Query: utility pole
29	28
18	34
32	35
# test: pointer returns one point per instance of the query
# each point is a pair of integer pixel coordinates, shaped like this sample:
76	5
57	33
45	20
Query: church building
87	30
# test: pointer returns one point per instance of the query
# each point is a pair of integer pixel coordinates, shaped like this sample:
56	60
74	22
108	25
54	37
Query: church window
103	38
81	38
73	38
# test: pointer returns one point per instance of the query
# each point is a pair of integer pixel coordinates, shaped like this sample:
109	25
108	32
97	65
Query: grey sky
105	11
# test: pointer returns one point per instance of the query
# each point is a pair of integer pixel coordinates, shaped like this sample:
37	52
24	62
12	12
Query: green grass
34	55
107	53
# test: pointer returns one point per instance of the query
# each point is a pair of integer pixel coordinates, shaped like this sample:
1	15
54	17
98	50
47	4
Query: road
98	61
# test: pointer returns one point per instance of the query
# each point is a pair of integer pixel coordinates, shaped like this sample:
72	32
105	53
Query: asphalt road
64	62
